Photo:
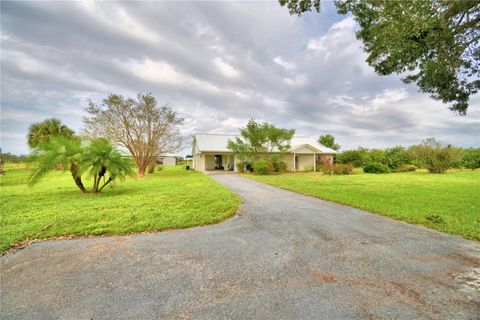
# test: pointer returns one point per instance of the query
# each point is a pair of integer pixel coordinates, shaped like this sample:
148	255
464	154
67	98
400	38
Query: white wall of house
300	158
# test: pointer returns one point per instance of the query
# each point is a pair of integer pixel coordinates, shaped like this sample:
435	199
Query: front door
218	161
296	162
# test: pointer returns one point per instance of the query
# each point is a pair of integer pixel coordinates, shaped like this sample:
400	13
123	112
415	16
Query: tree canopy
434	43
140	125
41	132
328	141
258	139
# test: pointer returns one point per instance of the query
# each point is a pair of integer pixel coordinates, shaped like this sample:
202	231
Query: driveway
284	256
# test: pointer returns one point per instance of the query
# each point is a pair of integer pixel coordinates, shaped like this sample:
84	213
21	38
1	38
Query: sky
218	64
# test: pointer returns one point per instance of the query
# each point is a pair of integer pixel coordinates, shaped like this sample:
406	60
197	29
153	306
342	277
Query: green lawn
169	199
447	202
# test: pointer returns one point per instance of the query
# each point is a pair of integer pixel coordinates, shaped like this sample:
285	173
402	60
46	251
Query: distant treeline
398	156
13	158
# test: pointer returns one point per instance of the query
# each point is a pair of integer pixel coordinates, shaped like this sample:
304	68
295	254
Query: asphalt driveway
284	256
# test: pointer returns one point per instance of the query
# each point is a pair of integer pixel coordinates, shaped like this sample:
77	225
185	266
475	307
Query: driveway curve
284	256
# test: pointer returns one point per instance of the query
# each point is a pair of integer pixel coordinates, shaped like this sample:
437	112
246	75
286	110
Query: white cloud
217	72
226	69
286	64
389	96
162	72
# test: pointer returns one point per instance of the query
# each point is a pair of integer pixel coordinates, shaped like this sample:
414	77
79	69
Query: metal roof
218	143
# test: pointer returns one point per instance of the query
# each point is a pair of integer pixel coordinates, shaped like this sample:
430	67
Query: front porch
215	162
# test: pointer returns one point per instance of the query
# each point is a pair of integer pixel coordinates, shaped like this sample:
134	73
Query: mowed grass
170	199
447	202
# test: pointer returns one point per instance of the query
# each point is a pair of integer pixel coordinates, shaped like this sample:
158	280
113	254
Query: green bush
277	164
471	158
308	169
262	167
396	157
240	167
435	156
358	157
327	168
340	169
375	168
406	168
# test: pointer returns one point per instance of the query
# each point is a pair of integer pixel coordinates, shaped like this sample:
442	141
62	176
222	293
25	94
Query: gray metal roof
218	143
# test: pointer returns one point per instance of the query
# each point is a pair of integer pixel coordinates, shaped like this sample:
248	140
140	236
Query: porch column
294	163
314	162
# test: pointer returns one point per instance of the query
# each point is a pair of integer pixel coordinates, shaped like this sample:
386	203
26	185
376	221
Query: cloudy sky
218	64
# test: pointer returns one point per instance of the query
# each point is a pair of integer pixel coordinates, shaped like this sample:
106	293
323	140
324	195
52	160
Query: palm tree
42	131
101	158
59	150
97	157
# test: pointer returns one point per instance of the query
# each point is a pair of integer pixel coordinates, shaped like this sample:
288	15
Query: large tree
41	132
140	125
434	43
260	139
328	141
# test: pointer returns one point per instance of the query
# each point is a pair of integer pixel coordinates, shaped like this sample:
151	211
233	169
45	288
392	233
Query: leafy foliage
435	42
257	140
41	132
337	169
471	158
58	150
8	157
97	157
277	164
328	141
396	157
357	158
406	168
376	167
435	156
139	125
262	167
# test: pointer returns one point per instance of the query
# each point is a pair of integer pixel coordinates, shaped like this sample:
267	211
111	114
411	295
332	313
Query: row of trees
430	154
139	125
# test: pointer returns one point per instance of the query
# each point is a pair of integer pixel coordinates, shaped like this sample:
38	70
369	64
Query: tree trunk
77	178
101	174
151	166
141	169
105	184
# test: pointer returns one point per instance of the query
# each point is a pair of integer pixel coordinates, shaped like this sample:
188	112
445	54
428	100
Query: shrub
355	157
308	168
240	167
262	167
471	158
396	157
435	156
338	169
406	168
376	155
278	165
327	168
342	169
375	168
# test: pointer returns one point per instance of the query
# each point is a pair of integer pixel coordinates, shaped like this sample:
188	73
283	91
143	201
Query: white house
210	152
